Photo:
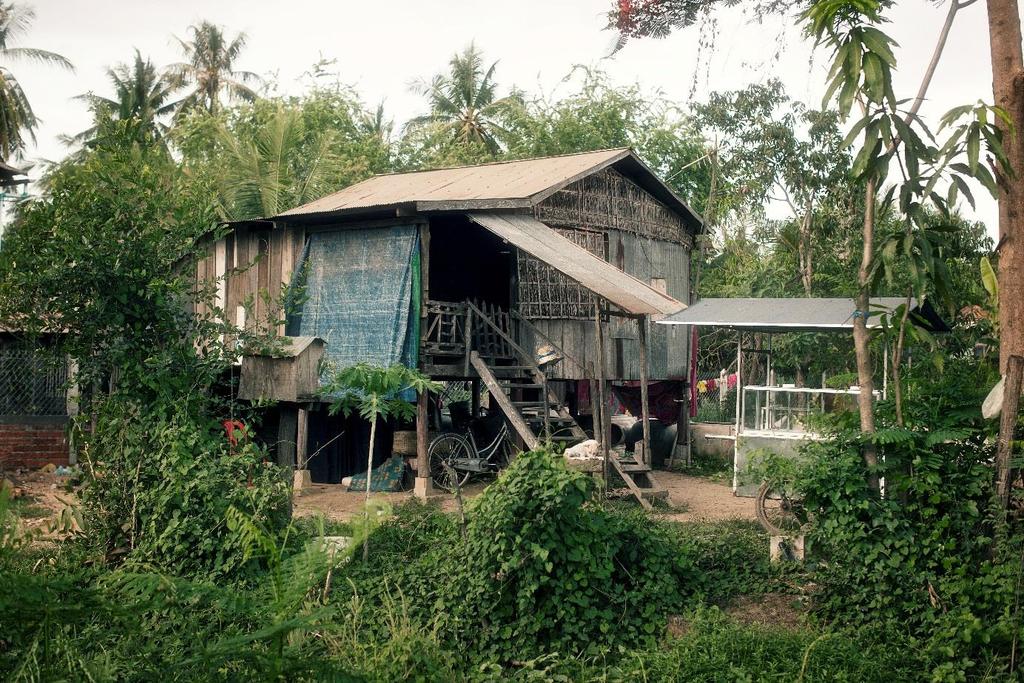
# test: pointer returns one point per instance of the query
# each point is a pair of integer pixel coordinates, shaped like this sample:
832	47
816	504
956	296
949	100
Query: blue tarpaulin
360	295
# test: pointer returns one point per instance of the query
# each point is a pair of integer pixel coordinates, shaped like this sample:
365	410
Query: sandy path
700	499
703	500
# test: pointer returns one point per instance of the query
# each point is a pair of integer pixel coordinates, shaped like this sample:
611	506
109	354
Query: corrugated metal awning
538	240
792	315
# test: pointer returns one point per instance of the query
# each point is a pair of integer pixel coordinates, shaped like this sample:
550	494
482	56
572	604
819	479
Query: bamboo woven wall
545	293
609	200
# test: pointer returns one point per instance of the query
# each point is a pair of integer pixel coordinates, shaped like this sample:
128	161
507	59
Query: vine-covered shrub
159	483
922	556
544	570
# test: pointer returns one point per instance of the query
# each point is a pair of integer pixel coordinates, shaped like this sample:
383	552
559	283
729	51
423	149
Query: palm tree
463	103
16	115
278	166
209	69
141	97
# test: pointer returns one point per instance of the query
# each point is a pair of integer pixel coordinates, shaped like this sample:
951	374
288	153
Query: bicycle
454	456
780	511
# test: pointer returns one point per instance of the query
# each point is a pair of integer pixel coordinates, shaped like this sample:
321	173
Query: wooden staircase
522	393
520	389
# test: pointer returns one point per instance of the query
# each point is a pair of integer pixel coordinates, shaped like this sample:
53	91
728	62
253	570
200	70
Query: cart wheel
443	452
778	511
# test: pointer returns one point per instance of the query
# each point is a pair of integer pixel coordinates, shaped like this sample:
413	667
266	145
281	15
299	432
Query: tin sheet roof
789	315
500	185
597	275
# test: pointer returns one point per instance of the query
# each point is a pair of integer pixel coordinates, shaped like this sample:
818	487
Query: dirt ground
38	496
690	499
703	500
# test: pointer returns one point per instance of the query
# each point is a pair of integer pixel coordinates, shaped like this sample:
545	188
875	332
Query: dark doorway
468	262
332	457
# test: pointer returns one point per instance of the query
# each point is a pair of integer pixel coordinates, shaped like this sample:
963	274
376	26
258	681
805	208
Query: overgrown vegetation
190	568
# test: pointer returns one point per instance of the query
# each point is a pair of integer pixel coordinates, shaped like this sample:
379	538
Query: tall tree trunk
1008	91
369	480
862	339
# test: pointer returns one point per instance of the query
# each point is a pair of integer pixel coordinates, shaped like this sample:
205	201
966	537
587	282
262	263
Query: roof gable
500	185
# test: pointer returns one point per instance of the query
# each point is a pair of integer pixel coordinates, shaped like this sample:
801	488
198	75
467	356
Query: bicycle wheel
778	511
443	452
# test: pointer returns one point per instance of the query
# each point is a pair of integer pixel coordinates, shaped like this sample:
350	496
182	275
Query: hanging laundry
732	380
702	387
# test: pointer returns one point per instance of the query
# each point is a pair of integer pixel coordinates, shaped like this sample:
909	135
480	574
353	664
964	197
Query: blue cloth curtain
359	295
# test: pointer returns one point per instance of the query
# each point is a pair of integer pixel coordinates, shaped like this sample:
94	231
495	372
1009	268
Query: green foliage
598	115
160	482
210	69
142	96
375	392
108	255
17	120
274	154
542	569
717	648
922	557
465	110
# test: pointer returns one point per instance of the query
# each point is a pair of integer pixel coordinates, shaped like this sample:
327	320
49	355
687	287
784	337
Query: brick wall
33	442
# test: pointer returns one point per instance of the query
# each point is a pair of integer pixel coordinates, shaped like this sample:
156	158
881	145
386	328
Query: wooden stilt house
465	272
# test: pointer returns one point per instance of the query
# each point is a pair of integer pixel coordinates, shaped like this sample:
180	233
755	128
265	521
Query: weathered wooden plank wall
258	260
651	261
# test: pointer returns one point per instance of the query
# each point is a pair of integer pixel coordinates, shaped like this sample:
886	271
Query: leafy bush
543	569
731	559
922	557
159	485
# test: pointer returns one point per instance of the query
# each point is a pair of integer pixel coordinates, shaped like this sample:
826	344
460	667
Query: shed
288	370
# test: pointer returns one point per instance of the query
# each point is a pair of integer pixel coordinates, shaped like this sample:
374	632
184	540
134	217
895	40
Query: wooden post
645	408
286	436
739	410
302	437
468	332
1007	426
301	480
423	487
603	427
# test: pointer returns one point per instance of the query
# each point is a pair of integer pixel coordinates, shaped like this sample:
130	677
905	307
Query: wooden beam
287	428
634	489
468	334
302	437
499	396
604	426
1007	426
423	486
645	408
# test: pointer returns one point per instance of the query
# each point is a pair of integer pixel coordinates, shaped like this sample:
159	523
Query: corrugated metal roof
779	315
500	185
597	275
511	182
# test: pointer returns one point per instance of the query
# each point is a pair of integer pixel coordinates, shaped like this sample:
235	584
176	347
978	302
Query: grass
104	624
707	467
28	508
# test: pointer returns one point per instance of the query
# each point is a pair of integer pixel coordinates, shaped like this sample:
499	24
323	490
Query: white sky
381	46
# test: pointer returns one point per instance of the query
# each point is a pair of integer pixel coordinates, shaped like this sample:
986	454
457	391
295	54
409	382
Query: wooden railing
455	329
444	333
